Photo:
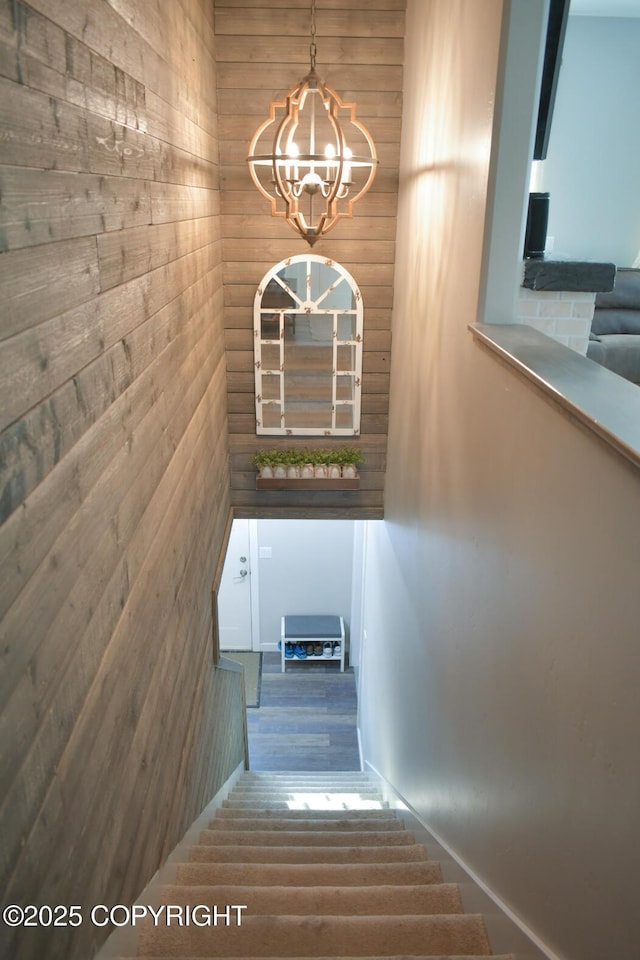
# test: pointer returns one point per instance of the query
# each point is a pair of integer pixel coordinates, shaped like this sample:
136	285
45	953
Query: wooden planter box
307	483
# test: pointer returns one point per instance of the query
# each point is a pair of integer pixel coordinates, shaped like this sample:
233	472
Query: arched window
308	349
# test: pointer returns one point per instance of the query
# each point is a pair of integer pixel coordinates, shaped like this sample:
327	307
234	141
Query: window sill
598	398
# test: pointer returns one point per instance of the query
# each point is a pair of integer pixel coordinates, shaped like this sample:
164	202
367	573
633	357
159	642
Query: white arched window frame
308	317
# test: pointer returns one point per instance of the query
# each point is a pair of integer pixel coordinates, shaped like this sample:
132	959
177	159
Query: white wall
357	590
515	113
501	666
591	170
310	571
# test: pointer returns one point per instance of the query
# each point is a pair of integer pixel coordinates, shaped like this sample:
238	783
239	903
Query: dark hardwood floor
306	719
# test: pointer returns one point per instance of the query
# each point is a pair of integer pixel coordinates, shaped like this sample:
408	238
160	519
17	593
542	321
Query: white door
234	595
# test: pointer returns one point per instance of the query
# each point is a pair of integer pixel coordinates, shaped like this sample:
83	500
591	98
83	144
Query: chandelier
301	161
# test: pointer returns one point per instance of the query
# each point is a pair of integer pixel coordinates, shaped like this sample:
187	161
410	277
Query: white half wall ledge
600	400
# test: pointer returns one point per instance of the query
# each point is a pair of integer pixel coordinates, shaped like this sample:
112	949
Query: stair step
305	796
307	774
335	779
278	807
298	774
228	853
335	774
316	824
317	797
309	874
287	936
315	786
351	901
304	781
309	838
476	956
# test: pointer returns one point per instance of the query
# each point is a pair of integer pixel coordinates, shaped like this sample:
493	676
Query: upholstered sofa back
619	310
615	330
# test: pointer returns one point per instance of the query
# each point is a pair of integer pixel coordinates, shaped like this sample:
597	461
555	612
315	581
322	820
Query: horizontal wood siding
262	51
116	728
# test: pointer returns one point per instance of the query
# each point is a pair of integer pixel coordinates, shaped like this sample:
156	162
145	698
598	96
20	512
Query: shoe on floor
327	650
300	651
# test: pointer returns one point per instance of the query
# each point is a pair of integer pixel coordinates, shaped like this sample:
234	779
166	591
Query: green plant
321	456
266	458
347	455
300	455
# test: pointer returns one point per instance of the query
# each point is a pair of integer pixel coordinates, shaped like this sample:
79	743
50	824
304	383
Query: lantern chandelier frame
315	186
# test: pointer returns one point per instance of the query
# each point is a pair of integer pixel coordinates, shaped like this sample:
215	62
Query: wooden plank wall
262	51
114	461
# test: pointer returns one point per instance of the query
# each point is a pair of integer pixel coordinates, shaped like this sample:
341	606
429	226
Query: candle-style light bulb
330	153
294	153
346	167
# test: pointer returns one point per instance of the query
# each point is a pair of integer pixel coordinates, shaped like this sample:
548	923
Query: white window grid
309	306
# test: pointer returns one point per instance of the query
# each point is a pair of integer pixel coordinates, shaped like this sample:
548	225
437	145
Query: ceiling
605	8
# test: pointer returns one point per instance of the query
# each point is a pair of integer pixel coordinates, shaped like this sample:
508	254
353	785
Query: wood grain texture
335	23
277	78
238	49
132	242
304	4
360	54
116	727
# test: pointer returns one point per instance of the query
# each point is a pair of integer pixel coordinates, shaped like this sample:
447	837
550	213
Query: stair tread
308	874
334	900
291	794
297	783
329	782
288	824
305	854
309	776
348	784
300	783
328	838
289	936
269	811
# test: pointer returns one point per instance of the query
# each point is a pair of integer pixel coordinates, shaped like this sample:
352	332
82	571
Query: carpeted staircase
324	869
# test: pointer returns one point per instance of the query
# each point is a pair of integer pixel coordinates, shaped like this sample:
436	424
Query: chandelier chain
312	47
